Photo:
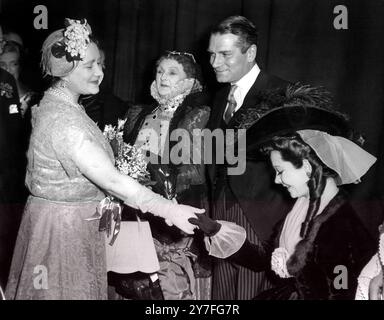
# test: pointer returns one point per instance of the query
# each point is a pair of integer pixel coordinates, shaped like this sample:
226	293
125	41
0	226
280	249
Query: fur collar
300	256
195	100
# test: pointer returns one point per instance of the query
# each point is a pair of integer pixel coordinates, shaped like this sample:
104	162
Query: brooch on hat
76	40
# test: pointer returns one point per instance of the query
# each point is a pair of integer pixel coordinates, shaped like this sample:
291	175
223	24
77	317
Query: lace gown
58	254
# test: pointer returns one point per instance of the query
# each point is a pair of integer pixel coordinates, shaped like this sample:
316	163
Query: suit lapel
219	108
221	103
215	122
250	98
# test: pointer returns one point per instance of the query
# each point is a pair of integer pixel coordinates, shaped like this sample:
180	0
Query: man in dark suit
10	168
249	199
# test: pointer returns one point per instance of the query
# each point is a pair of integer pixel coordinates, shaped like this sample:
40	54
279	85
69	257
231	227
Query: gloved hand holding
173	213
207	225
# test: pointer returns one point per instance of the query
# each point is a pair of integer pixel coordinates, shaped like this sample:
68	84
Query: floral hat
64	48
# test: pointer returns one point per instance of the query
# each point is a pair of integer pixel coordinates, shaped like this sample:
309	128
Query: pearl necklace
62	95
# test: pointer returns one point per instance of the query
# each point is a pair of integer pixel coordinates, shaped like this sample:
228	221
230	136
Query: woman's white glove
167	221
179	215
173	213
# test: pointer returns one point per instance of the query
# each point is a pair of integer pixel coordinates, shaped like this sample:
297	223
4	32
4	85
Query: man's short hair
241	27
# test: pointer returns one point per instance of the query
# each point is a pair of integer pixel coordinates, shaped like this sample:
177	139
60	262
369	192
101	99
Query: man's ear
251	53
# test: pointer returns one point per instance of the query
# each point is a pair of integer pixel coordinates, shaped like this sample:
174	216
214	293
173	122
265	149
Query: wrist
148	201
216	229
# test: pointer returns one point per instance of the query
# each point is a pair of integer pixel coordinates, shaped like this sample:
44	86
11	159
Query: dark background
297	42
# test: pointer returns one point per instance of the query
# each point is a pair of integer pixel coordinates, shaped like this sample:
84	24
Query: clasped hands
188	218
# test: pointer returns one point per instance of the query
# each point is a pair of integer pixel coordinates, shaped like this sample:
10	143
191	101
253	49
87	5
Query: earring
308	174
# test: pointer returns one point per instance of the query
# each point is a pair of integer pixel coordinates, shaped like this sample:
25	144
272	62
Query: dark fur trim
299	258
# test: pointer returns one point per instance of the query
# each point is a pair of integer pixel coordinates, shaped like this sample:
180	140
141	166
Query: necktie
231	105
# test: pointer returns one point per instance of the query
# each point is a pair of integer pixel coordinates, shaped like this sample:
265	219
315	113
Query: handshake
208	226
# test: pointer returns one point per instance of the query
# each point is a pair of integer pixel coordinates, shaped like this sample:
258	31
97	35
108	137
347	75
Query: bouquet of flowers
130	161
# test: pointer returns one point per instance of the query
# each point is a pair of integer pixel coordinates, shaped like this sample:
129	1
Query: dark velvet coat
104	108
336	238
262	202
11	145
11	177
193	113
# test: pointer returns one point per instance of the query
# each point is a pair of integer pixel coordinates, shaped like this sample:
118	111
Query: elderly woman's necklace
170	105
63	96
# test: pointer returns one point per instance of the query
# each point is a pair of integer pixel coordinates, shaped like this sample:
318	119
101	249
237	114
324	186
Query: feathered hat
296	107
309	111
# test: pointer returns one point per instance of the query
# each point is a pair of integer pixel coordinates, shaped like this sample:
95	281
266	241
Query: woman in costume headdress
317	252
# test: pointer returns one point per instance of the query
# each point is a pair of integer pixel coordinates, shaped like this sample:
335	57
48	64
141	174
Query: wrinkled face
9	61
168	74
294	179
228	63
87	76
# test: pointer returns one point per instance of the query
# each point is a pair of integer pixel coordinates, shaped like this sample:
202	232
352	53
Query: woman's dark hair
293	149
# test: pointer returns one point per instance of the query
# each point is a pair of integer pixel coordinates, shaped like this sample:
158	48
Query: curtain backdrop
297	42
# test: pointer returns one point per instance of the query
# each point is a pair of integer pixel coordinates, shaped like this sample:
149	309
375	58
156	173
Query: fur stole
305	247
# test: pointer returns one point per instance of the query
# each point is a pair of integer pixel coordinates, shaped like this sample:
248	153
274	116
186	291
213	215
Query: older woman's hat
64	48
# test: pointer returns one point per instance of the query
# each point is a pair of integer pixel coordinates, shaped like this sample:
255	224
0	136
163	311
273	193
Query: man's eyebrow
221	51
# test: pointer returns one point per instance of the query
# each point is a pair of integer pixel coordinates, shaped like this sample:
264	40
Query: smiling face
9	61
168	74
87	76
226	58
294	179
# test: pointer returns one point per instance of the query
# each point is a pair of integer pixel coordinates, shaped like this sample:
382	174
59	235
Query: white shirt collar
245	84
